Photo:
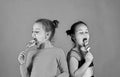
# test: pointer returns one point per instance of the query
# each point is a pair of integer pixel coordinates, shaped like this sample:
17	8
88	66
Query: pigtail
68	32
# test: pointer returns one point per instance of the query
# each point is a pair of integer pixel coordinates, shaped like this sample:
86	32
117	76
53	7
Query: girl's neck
80	48
76	47
46	44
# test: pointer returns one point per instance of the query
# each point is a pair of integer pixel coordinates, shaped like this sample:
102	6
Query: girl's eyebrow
35	30
80	30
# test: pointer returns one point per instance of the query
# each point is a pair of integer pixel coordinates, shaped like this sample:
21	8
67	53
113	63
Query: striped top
81	61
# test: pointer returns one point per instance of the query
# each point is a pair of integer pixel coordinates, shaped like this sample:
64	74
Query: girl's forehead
37	26
81	27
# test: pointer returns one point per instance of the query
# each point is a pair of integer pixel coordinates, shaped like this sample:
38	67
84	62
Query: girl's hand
21	57
89	57
86	48
30	43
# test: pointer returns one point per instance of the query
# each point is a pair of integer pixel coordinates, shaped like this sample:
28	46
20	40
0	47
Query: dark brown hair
49	26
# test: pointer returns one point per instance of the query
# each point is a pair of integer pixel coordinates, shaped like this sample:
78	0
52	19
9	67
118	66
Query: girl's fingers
88	49
21	57
30	43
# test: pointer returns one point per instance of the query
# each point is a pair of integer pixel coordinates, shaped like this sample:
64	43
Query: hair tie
55	23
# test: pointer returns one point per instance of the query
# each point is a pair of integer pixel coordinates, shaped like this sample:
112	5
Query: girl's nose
33	35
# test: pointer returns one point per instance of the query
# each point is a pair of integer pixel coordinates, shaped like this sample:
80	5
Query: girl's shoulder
31	51
75	54
58	51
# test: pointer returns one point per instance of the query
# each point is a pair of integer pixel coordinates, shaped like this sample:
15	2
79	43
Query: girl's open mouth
85	41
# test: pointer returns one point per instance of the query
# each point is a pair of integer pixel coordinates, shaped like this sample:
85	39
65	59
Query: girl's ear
73	37
47	35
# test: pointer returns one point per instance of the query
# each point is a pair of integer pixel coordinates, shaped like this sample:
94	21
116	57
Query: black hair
71	32
49	25
73	27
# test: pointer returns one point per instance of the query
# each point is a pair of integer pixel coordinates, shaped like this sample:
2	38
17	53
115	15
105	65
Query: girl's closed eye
80	32
86	32
35	31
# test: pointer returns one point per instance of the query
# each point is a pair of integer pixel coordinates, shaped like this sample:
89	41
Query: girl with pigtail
79	58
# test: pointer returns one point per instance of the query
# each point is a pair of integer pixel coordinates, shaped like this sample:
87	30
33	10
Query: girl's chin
81	45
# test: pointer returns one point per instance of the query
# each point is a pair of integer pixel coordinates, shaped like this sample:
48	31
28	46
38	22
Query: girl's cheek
41	37
79	40
87	35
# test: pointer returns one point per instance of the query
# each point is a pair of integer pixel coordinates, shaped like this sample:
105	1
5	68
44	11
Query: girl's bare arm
24	66
78	72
